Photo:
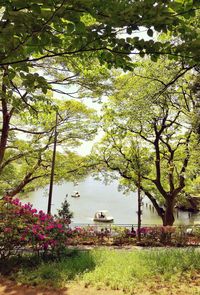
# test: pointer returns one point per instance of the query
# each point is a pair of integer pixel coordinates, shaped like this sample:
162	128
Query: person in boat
133	232
102	215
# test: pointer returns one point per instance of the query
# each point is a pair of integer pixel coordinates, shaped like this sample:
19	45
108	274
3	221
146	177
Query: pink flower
45	245
23	238
41	212
42	218
34	211
36	227
41	237
50	226
15	201
7	230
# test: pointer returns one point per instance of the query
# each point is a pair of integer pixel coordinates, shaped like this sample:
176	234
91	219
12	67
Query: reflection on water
94	196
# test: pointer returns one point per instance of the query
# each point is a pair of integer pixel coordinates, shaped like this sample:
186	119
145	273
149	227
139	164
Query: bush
169	235
22	226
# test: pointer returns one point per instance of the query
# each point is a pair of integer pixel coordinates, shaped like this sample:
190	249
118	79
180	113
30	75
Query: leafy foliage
142	112
33	31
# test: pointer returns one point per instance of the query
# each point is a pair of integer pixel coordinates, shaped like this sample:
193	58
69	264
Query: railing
103	224
125	225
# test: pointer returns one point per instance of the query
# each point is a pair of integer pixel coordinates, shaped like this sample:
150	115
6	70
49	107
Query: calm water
95	196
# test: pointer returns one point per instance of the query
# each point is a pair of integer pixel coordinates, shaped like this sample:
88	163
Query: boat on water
75	195
103	216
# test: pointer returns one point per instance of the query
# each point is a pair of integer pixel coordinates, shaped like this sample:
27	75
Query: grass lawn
109	272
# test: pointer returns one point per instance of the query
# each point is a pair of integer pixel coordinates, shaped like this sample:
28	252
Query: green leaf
154	58
150	32
134	27
36	8
80	27
142	54
129	30
70	28
11	74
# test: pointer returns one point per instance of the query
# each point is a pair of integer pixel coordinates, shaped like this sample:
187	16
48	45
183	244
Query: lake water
95	195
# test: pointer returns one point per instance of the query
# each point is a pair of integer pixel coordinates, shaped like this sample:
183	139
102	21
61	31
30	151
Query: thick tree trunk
4	135
154	202
168	218
6	120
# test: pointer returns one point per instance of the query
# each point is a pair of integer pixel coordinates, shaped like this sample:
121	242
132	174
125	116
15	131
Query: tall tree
28	157
28	116
162	122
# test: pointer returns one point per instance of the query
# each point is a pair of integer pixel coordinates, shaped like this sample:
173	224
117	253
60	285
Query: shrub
22	226
64	213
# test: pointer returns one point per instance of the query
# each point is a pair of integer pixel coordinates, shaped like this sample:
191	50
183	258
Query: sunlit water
94	196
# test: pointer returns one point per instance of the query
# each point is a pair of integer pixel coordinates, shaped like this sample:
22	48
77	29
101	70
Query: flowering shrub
156	236
22	226
169	235
85	235
117	235
90	235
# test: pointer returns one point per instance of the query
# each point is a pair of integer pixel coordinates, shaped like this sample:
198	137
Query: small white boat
103	216
76	195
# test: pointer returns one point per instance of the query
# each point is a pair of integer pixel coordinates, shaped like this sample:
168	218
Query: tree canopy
160	124
35	30
65	47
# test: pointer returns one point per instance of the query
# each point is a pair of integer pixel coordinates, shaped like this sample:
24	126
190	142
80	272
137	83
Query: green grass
57	273
122	270
171	262
125	270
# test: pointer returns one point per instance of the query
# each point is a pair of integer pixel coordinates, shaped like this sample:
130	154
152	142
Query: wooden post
52	167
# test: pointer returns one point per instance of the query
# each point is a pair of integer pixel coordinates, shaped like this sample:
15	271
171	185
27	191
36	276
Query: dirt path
8	287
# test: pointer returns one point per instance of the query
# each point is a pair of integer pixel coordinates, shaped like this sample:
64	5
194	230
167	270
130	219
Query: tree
64	213
28	159
162	122
37	34
28	121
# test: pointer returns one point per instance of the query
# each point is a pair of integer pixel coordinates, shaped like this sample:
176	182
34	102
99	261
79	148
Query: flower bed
170	236
150	236
23	227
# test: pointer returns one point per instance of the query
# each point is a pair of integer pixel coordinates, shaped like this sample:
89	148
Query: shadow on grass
47	271
8	287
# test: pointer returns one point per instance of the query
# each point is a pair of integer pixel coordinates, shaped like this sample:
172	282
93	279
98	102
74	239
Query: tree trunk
27	179
159	209
19	188
139	208
169	213
4	136
6	119
52	167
